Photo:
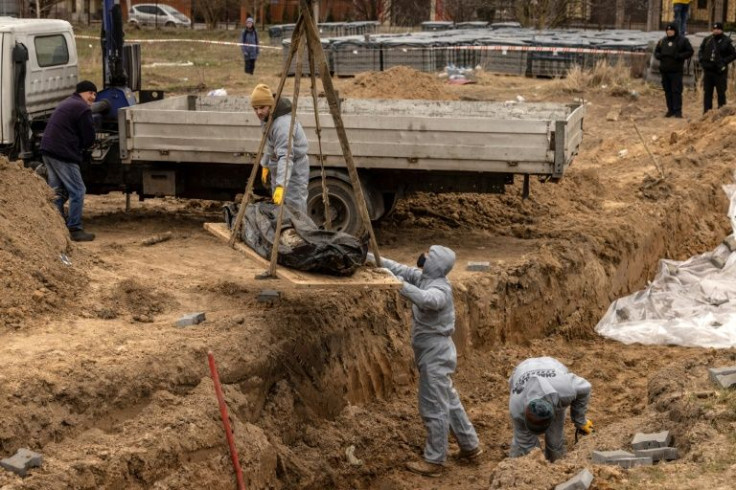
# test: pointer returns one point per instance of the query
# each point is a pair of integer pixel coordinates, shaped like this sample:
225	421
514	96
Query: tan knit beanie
262	96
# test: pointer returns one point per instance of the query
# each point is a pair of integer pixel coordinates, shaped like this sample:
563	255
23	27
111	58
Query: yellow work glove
586	428
264	177
278	195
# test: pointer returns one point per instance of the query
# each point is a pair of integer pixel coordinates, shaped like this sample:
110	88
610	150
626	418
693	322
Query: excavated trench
309	375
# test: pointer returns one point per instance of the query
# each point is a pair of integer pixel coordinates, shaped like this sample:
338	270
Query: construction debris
190	319
22	461
157	239
581	481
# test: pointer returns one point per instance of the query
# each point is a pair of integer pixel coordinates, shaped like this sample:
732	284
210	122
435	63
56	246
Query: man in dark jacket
249	45
69	132
433	315
672	51
715	54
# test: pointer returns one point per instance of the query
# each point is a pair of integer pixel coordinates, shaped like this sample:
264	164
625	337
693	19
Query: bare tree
212	11
543	14
38	8
367	9
409	12
468	10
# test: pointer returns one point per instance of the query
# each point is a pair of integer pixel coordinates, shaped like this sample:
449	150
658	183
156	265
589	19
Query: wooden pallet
364	277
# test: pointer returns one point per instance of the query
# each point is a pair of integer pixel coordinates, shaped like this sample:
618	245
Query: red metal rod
226	421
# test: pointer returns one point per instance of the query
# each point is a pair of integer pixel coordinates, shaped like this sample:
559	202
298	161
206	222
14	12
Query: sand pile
32	239
399	82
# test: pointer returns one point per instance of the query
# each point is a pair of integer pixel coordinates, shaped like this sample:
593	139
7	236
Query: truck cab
38	69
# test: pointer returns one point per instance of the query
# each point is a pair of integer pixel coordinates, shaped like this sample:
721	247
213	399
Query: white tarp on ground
690	303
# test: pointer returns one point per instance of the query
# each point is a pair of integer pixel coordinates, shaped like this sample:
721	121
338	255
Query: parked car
157	15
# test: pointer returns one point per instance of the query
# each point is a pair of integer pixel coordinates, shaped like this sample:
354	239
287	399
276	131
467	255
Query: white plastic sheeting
690	303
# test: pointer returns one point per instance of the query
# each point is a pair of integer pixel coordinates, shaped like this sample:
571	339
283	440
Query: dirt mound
33	238
708	136
399	82
143	303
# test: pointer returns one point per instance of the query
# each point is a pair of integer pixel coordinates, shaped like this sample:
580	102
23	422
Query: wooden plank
365	277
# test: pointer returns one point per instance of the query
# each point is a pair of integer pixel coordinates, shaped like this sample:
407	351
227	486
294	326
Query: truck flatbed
454	136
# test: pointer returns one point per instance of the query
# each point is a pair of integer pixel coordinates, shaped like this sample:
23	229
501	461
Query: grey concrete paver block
581	481
730	242
268	296
478	266
607	457
191	319
718	262
648	441
720	371
727	381
634	462
22	461
658	453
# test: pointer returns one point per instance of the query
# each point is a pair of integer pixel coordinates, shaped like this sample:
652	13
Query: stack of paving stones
656	446
648	449
501	48
305	59
353	56
723	377
279	33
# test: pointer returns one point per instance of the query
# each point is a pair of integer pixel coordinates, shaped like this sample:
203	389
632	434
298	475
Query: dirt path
98	379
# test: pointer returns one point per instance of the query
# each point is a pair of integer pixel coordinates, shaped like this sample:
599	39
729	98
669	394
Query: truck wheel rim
339	212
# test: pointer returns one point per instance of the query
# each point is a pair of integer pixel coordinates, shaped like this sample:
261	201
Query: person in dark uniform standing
715	54
672	51
69	132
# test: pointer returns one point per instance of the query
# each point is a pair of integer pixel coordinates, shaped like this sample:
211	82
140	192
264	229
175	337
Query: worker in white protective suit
279	173
433	312
541	390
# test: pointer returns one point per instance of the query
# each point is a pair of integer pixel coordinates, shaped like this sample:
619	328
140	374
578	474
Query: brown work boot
468	455
425	469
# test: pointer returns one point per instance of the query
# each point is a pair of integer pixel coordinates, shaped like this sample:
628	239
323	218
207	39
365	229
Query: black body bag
303	246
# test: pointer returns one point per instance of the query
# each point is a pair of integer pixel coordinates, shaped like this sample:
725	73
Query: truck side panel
397	135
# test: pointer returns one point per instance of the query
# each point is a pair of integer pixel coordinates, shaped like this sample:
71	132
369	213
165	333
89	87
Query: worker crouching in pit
433	322
541	390
284	170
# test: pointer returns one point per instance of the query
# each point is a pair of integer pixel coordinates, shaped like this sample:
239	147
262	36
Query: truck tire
343	208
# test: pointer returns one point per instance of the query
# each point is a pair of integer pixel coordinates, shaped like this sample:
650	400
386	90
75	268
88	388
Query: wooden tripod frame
306	33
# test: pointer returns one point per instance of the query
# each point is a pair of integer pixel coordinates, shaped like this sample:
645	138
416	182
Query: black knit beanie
86	86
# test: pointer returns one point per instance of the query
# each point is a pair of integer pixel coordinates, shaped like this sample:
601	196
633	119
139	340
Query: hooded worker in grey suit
541	390
433	313
285	166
